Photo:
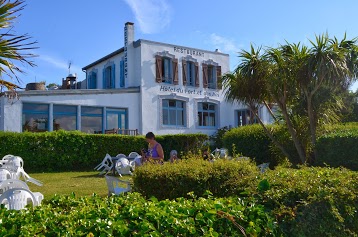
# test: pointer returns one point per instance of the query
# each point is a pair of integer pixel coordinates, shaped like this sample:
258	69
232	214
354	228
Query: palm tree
330	63
13	48
248	85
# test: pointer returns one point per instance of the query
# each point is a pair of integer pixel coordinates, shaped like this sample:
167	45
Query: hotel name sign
191	52
189	91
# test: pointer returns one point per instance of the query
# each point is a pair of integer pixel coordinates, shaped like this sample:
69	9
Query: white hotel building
144	86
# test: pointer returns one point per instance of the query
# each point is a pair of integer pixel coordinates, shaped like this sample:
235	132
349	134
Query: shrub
75	151
132	215
222	178
312	201
250	141
338	149
217	138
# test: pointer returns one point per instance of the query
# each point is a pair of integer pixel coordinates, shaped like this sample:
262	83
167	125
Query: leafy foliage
12	47
76	151
132	215
222	178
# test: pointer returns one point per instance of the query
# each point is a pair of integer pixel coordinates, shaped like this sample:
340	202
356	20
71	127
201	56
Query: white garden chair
121	156
17	199
4	174
15	183
123	166
263	167
117	186
106	165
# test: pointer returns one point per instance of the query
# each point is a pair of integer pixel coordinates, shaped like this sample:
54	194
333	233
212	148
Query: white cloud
152	15
223	44
59	63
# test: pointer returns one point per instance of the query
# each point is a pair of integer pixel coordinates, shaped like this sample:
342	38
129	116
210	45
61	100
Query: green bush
132	215
312	201
336	145
338	149
250	141
222	178
76	151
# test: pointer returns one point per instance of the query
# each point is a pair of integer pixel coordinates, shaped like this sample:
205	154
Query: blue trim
121	74
176	109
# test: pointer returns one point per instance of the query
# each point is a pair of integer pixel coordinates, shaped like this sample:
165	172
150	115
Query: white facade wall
152	92
129	101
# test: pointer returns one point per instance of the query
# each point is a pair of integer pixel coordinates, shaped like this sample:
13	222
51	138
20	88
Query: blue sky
82	31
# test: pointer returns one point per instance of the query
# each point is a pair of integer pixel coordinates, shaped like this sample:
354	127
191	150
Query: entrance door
116	119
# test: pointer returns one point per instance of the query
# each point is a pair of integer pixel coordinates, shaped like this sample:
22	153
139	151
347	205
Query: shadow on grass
89	176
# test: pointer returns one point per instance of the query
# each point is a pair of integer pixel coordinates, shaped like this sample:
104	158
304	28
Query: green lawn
81	183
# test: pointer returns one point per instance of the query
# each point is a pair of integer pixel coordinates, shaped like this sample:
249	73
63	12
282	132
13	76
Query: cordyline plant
289	76
13	48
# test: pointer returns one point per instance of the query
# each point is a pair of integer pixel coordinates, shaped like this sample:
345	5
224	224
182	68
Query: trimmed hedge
310	201
132	215
250	141
222	178
76	151
336	147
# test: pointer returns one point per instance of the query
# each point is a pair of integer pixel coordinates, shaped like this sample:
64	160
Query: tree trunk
273	139
313	126
295	139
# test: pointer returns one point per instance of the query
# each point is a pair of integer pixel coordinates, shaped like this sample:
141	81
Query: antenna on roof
69	66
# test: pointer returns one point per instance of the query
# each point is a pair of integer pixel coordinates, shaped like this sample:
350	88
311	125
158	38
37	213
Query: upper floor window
173	112
166	70
92	80
211	76
207	114
190	73
109	77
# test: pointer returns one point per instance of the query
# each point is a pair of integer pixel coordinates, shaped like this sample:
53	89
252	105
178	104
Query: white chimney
128	33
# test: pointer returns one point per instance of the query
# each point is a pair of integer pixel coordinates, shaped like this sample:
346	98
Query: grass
81	183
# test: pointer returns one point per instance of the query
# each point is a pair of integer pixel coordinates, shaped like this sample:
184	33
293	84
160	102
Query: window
173	112
121	80
190	73
116	118
35	117
207	114
109	77
64	117
166	70
245	117
91	119
211	76
92	80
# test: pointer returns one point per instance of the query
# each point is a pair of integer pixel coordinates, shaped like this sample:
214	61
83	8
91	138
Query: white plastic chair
135	158
15	183
263	167
17	199
106	164
4	174
123	166
115	185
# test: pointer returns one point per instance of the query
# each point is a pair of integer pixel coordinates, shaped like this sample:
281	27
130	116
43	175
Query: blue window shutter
94	80
113	76
104	78
89	80
121	74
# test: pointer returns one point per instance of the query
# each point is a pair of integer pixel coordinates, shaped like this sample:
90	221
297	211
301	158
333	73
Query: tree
305	83
13	48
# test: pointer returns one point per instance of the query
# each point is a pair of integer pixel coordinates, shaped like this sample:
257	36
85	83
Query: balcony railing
129	132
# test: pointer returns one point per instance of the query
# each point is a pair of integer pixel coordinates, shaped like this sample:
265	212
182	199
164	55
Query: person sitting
155	153
173	156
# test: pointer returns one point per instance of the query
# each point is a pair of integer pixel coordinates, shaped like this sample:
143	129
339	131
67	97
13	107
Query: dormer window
211	76
166	69
190	73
